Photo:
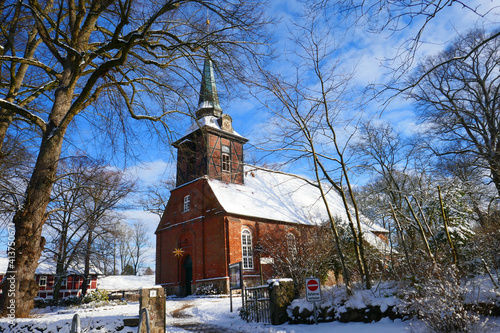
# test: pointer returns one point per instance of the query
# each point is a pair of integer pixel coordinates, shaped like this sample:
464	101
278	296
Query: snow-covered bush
483	249
66	301
362	306
208	289
438	300
97	295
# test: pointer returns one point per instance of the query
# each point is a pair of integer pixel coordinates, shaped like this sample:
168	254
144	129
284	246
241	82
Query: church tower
210	147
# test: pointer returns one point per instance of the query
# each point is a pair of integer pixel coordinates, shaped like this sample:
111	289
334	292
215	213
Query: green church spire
208	104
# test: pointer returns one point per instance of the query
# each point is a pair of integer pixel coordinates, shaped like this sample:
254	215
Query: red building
219	208
45	278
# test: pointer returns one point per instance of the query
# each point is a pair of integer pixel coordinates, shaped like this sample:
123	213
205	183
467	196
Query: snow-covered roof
48	267
283	197
126	282
209	121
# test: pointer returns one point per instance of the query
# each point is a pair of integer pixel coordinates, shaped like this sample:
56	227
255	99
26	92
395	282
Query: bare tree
157	196
404	194
130	54
303	253
460	99
311	125
84	197
102	195
401	16
124	239
66	232
138	245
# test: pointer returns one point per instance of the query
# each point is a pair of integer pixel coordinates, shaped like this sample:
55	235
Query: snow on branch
26	114
31	62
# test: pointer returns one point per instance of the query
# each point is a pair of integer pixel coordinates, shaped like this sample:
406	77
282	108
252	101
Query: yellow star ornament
178	252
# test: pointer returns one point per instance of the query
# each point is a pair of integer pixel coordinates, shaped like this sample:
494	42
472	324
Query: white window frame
187	203
291	242
44	279
64	282
246	249
226	158
226	163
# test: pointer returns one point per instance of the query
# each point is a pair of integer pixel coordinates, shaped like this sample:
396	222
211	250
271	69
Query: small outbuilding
45	278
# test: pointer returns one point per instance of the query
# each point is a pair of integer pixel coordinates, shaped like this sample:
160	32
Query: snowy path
211	315
181	319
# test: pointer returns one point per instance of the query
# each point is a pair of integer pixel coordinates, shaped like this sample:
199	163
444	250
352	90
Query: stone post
154	300
281	295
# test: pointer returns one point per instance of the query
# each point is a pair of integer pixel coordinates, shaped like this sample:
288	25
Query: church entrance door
188	270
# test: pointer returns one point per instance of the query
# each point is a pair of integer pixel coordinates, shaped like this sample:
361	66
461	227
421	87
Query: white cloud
151	221
151	172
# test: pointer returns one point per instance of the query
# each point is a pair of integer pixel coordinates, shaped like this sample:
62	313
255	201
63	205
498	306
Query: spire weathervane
208	104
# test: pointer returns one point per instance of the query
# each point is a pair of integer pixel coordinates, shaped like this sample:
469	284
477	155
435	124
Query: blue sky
362	52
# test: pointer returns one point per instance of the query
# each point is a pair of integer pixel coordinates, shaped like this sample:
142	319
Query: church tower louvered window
210	147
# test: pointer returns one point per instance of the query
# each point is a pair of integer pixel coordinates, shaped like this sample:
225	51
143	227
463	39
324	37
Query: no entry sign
313	290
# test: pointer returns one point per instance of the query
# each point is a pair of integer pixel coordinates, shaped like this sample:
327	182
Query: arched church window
226	166
291	242
246	249
187	203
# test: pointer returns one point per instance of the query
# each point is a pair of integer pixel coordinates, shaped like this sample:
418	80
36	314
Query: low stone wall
368	314
328	313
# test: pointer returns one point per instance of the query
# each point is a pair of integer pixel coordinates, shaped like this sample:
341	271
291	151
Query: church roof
284	197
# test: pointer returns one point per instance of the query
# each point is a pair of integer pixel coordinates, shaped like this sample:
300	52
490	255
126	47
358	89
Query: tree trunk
58	279
5	121
28	222
495	170
86	272
422	232
31	216
445	223
345	272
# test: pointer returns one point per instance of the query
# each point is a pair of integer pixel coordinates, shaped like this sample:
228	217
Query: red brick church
220	208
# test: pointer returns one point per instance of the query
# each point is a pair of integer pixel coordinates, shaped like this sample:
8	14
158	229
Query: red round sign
312	285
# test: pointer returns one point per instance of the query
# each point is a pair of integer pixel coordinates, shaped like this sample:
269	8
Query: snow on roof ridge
279	196
189	182
209	121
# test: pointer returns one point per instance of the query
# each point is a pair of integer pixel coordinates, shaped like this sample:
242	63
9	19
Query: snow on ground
212	311
216	312
58	319
125	282
480	289
211	314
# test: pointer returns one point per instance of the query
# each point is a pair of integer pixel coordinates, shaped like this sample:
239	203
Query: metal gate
257	304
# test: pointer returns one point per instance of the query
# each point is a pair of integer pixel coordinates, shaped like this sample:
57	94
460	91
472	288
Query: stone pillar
281	295
154	300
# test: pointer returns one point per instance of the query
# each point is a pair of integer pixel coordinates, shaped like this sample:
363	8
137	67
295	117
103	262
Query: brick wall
211	237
